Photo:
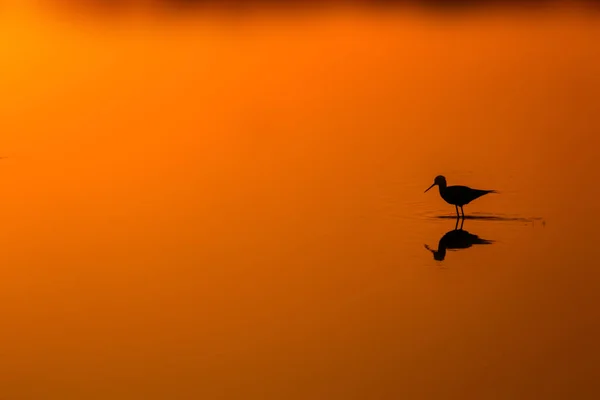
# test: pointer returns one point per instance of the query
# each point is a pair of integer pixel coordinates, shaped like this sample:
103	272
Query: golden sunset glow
231	207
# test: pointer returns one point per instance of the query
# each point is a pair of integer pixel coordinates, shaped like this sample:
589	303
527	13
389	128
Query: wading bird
456	240
458	196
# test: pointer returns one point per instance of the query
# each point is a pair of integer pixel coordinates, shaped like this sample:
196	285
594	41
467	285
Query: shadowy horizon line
490	218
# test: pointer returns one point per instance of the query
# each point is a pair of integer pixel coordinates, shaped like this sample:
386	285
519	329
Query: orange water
235	209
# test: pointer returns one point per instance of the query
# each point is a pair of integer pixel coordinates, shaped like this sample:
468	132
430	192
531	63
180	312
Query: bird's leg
463	212
462	222
457	214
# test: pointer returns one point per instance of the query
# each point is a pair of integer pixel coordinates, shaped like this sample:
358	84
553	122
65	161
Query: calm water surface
238	212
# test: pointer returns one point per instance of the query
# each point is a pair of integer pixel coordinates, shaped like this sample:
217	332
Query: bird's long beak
429	187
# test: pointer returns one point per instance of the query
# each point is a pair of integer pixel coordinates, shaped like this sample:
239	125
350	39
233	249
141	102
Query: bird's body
455	240
461	195
458	196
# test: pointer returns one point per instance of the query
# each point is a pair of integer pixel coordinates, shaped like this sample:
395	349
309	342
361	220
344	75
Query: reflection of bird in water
454	240
458	196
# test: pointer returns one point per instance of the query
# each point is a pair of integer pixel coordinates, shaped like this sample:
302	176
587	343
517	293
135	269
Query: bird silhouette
456	239
458	196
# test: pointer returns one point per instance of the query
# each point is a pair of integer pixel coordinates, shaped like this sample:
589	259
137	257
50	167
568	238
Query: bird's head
438	255
439	180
